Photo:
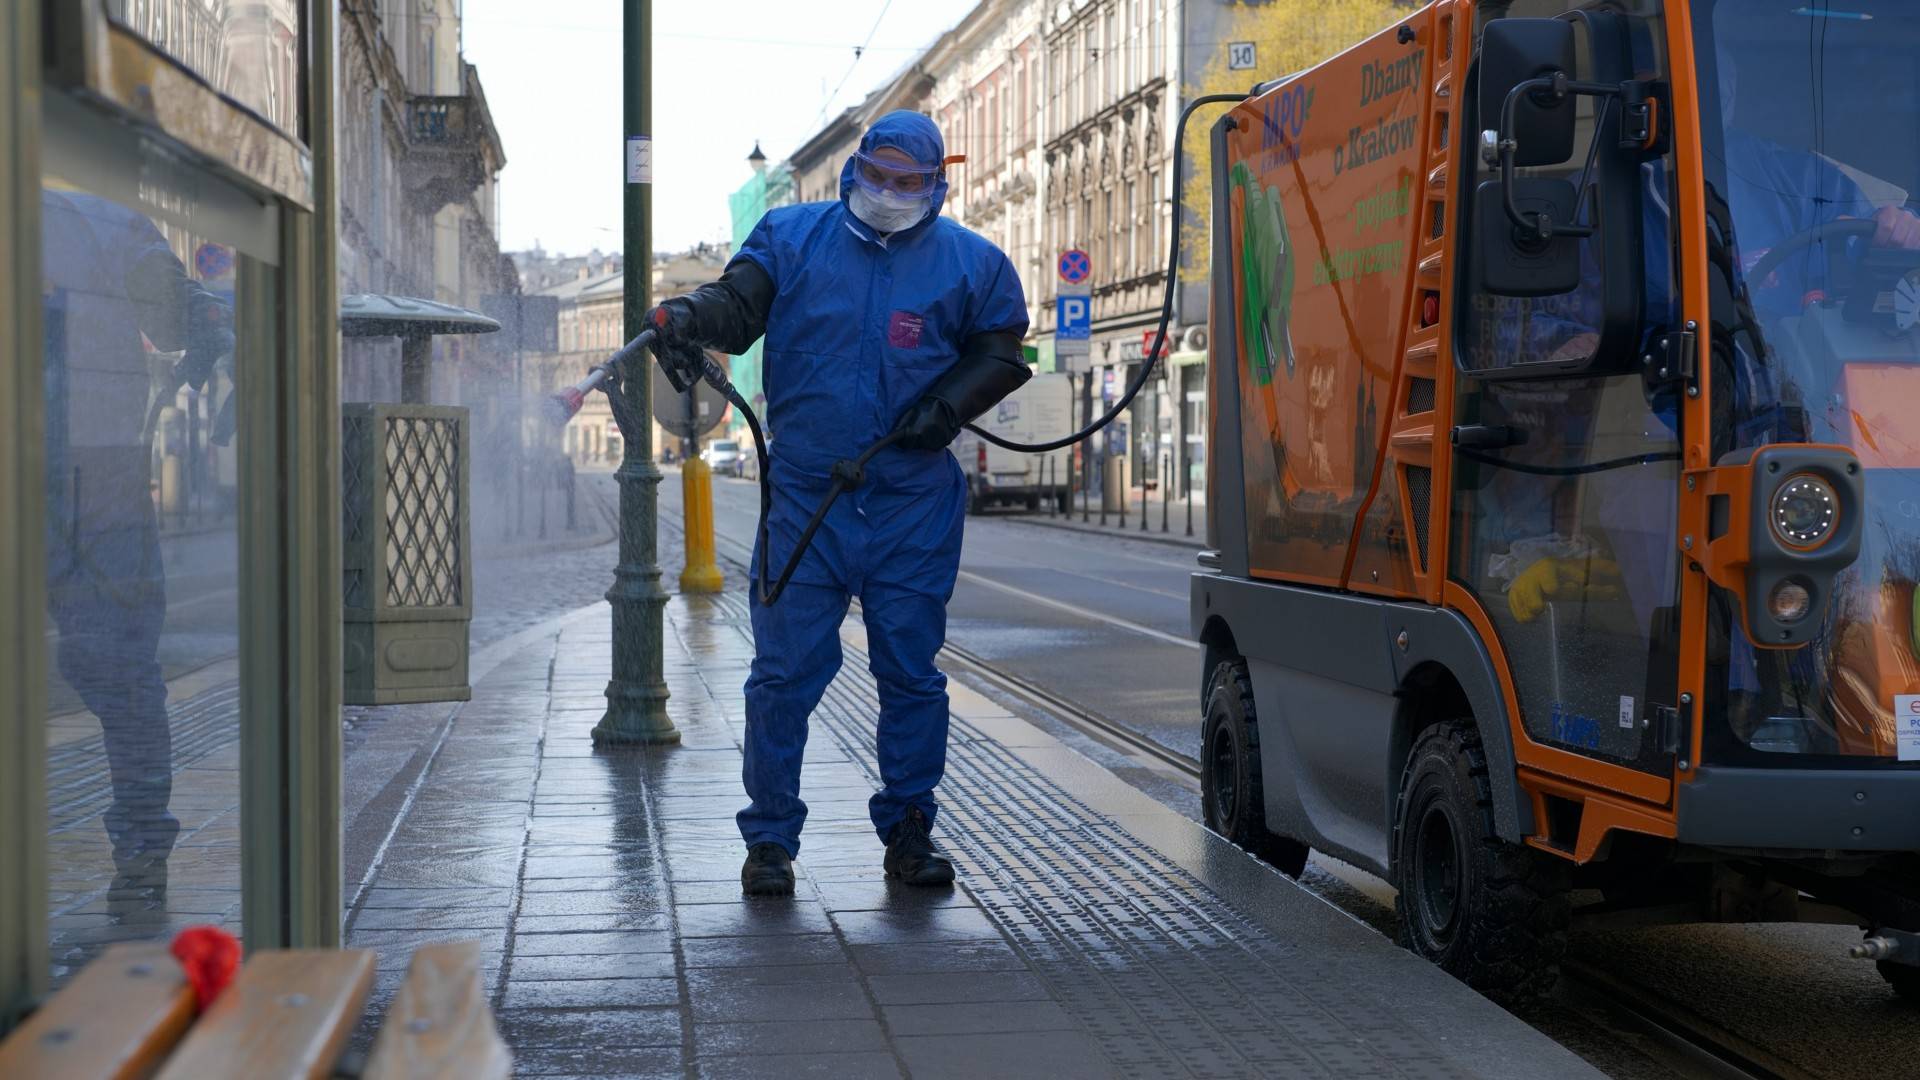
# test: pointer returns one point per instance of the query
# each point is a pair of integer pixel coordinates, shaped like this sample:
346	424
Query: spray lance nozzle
683	362
562	406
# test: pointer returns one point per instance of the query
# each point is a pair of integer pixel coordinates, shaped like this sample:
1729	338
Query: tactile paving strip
1169	978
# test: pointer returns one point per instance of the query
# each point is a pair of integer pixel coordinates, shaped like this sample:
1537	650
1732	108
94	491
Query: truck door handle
1487	437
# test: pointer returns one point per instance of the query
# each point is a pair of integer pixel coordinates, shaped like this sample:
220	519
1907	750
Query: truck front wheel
1230	786
1493	914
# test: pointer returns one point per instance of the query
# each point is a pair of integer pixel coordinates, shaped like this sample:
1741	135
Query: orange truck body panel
1326	183
1341	204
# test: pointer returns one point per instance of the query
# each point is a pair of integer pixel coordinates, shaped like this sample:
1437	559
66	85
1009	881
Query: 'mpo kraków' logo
1281	121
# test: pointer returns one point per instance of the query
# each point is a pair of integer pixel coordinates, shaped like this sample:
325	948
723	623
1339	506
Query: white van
1037	412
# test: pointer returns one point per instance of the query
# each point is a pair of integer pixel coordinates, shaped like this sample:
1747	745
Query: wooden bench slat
439	1024
288	1013
116	1019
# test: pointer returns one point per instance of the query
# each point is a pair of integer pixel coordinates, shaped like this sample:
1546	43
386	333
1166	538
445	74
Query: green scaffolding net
767	189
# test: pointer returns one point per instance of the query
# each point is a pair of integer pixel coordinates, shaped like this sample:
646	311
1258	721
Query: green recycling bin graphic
1266	268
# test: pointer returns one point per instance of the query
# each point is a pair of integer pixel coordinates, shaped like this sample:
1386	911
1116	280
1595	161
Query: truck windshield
1811	138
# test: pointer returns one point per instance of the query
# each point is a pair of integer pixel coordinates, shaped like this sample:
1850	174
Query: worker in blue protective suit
114	289
880	316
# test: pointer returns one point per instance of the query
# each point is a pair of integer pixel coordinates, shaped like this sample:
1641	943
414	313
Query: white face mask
887	211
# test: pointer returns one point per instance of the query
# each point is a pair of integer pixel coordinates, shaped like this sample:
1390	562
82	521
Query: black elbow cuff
991	366
729	314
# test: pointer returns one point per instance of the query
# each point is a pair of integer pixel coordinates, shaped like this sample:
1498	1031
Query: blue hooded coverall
860	327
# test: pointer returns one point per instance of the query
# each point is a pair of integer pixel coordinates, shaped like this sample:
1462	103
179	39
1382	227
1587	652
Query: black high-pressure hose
849	474
1166	298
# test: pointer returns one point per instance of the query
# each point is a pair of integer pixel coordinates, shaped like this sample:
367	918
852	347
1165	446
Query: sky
727	72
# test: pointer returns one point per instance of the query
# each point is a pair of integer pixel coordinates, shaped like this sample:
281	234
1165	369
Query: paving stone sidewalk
1094	933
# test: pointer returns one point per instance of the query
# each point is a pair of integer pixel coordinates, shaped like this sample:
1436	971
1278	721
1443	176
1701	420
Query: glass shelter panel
141	277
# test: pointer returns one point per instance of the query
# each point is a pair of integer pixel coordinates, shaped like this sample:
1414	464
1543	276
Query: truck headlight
1804	512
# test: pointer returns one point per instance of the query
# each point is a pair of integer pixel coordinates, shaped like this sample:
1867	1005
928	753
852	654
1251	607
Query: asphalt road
1103	621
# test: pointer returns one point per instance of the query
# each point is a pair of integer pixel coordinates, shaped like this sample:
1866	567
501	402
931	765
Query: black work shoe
768	871
911	856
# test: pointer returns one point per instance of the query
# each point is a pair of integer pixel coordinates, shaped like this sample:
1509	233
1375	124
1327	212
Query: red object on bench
209	956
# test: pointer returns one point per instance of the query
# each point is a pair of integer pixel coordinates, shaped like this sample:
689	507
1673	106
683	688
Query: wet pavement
1081	615
1093	933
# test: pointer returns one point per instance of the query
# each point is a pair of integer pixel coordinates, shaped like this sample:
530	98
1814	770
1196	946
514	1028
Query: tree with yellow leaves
1288	36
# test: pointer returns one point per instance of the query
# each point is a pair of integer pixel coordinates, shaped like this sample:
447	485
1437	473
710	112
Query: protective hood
919	138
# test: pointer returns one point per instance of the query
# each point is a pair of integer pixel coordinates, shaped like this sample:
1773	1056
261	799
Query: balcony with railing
453	145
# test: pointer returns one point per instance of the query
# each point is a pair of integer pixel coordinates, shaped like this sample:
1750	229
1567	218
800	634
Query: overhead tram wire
858	52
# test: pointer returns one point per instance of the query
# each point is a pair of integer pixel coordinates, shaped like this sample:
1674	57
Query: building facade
1112	97
419	206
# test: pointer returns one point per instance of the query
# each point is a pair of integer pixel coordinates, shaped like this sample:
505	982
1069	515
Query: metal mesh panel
1438	227
1420	496
354	487
1419	395
423	532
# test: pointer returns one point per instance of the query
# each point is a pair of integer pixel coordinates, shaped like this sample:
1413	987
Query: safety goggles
895	177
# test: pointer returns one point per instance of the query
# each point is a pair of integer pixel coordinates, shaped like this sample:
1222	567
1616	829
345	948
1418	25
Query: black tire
1033	503
1061	500
1904	978
1492	914
1230	787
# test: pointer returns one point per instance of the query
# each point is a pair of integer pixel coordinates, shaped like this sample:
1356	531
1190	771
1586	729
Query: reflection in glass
248	50
143	720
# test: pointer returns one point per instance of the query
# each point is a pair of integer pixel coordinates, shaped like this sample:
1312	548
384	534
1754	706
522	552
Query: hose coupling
849	473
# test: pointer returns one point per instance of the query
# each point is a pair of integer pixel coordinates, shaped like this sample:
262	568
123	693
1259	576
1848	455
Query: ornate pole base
637	692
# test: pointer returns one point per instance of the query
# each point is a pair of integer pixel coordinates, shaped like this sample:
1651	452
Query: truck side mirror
1514	51
1508	260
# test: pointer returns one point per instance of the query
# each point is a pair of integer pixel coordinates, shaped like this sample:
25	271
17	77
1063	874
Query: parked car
723	456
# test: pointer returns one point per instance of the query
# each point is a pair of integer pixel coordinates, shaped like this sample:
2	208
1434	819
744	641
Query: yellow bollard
702	574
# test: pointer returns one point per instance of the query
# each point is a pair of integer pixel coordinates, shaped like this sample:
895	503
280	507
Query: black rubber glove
990	368
729	314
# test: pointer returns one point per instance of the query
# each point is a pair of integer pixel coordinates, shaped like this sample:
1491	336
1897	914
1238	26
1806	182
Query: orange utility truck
1565	472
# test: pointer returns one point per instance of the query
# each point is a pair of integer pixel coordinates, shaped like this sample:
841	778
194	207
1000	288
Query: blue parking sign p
1074	317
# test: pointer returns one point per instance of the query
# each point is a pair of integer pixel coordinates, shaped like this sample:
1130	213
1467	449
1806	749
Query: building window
1053	90
1111	235
1157	63
1154	224
1109	57
1089	46
1021	101
1131	246
1136	38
